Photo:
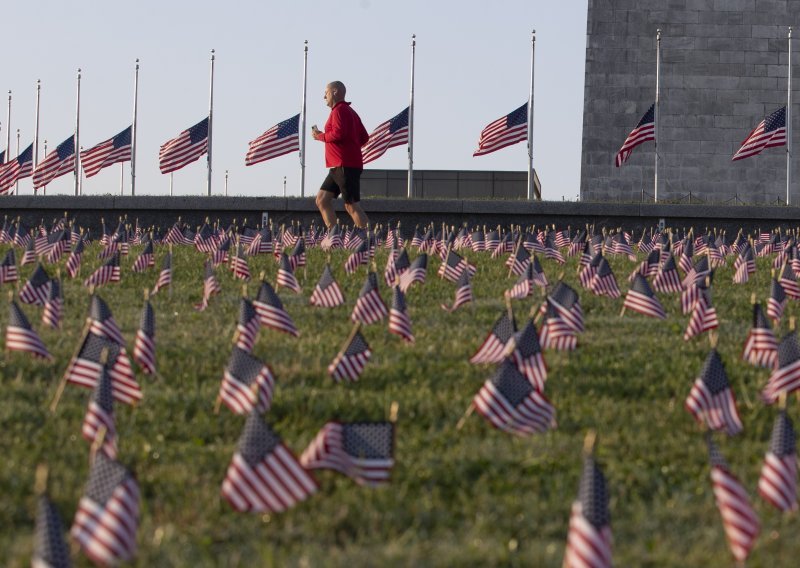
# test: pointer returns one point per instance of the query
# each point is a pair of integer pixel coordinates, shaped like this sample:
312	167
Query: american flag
493	348
184	149
527	355
463	293
687	252
789	282
744	265
776	301
108	272
49	547
283	138
589	538
108	513
211	287
590	269
556	333
247	383
645	130
738	517
144	347
761	347
115	150
519	260
711	399
770	133
165	276
523	287
262	243
264	475
29	255
57	245
220	254
102	321
509	402
100	415
786	377
667	279
20	336
604	283
145	260
399	322
327	293
85	368
648	267
239	266
703	317
393	132
697	273
54	306
37	289
363	451
247	325
350	362
8	268
478	239
369	307
75	257
271	312
286	276
551	252
778	481
204	239
16	169
641	298
504	131
416	272
396	265
359	257
57	163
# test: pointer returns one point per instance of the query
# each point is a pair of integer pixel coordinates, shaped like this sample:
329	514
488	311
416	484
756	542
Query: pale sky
472	66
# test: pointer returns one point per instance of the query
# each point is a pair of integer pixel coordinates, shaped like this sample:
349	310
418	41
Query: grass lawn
476	496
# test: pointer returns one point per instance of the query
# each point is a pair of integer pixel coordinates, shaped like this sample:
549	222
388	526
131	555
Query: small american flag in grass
102	320
100	417
247	383
49	547
778	481
271	311
369	307
363	451
107	273
641	298
20	336
85	368
349	363
786	377
589	538
165	276
399	322
37	288
327	292
761	347
711	399
8	268
493	348
144	347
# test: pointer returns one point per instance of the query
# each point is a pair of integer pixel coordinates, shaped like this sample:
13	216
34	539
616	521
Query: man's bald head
335	92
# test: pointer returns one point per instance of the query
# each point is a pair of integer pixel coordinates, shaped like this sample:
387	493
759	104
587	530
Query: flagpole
122	178
226	183
8	129
655	112
210	116
789	124
36	132
303	126
170	184
76	139
16	189
44	188
133	128
531	188
411	122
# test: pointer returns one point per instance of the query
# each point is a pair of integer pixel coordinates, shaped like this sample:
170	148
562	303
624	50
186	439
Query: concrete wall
447	184
724	67
163	211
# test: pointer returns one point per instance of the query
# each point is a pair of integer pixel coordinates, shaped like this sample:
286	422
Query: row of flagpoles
775	130
283	138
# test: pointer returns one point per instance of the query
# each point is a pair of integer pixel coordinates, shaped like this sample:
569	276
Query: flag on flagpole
369	307
363	451
504	131
641	298
264	475
54	306
283	138
770	133
115	150
184	149
393	132
8	268
16	169
108	513
165	276
644	131
57	163
102	321
247	326
109	272
211	287
463	292
527	355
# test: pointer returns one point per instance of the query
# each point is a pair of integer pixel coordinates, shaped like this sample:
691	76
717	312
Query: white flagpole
170	183
76	145
655	112
411	122
531	184
226	183
210	117
36	133
8	129
122	178
789	124
133	127
302	126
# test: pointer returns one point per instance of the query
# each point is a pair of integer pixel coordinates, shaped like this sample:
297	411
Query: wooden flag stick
98	442
254	391
63	383
444	265
40	483
622	311
394	409
514	257
171	258
217	404
589	443
713	338
467	414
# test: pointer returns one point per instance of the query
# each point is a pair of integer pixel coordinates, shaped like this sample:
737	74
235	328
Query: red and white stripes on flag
247	383
185	148
493	348
327	293
505	131
761	347
283	138
786	377
778	481
393	132
264	475
770	133
645	130
271	312
350	362
144	347
57	163
711	399
20	336
115	150
589	539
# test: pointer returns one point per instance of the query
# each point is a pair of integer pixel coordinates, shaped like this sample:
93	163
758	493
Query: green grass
476	496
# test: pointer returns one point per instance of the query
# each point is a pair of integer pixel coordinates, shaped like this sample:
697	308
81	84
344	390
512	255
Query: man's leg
325	205
357	214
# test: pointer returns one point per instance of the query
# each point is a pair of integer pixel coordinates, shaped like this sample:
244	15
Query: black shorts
346	181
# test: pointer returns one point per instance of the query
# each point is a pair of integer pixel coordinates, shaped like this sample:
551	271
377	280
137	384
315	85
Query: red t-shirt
344	136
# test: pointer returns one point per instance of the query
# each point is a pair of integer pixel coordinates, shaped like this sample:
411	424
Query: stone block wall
723	69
